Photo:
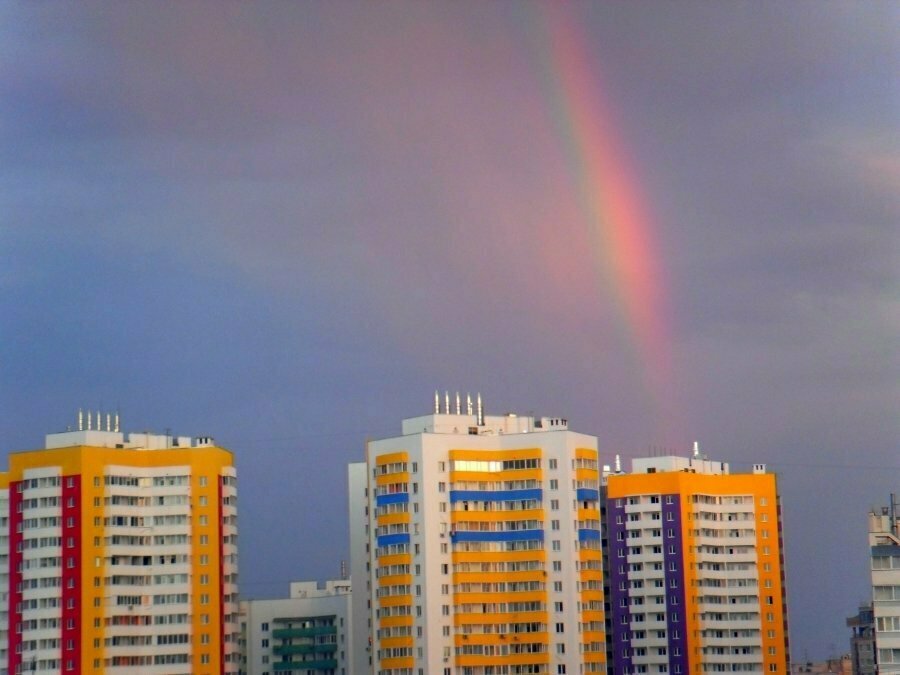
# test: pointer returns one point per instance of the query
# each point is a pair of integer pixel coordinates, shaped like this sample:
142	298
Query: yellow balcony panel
495	455
392	518
496	516
594	657
592	615
499	556
395	600
591	575
495	476
395	559
390	621
482	598
387	643
395	580
589	554
591	595
402	662
586	474
588	514
388	478
499	618
585	453
495	577
593	636
391	458
476	660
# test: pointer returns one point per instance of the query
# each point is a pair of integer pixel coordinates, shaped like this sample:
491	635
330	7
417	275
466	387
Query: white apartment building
884	540
479	538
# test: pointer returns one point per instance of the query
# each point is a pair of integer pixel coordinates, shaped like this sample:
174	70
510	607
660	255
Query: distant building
120	554
696	569
308	633
884	543
862	641
479	543
841	665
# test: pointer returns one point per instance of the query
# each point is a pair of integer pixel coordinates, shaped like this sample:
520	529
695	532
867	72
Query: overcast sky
286	224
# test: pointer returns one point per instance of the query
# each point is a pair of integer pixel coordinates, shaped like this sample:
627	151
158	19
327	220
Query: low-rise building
309	632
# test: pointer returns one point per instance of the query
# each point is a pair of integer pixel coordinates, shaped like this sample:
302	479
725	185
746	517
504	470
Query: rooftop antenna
447	402
437	402
90	420
99	421
480	413
109	421
458	405
468	404
618	464
116	422
80	420
696	450
344	570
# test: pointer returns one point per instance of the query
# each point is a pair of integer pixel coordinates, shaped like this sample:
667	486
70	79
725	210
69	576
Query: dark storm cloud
286	224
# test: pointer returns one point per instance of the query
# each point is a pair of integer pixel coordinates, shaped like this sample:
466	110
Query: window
554	484
552	463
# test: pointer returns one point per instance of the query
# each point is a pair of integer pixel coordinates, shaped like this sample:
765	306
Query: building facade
884	543
696	569
120	554
862	641
309	632
481	546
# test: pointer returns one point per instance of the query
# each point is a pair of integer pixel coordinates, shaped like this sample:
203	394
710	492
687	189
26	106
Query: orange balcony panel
391	458
495	455
591	575
392	518
388	478
495	577
499	556
481	598
496	516
395	580
402	662
396	559
390	621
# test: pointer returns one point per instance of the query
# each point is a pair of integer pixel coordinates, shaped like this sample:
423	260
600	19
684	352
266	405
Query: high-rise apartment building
121	554
308	633
884	543
480	545
696	569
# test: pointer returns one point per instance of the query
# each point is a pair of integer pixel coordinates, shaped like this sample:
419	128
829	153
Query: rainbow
609	195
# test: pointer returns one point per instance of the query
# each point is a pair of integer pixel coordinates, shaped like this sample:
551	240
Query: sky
286	224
